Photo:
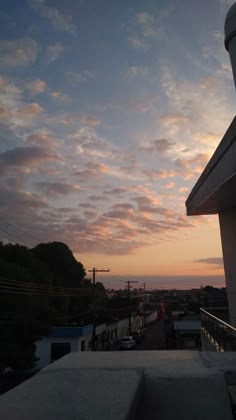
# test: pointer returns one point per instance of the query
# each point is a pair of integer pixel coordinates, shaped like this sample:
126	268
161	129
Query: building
214	193
61	341
187	333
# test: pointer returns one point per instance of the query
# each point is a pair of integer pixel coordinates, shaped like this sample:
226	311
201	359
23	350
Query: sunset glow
109	112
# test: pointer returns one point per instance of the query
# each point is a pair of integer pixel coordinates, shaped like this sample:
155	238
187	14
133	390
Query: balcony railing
221	334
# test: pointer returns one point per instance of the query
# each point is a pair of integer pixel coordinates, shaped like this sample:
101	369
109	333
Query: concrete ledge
197	398
178	361
84	395
129	385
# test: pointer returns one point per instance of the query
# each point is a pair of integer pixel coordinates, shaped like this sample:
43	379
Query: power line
21	230
15	291
10	236
34	288
59	288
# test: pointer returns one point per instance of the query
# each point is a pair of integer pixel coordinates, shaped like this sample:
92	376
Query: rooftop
170	385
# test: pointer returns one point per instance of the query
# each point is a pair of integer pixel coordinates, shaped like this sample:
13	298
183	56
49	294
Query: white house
60	341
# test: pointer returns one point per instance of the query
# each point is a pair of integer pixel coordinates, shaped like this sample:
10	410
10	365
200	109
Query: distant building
187	334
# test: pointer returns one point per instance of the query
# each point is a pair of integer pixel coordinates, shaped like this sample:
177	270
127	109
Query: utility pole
128	288
94	271
97	270
144	309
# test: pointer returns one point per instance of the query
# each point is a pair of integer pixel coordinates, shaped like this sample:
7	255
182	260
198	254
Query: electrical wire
19	229
45	286
14	238
34	288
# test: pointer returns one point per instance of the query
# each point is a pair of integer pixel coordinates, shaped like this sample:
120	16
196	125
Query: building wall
43	347
123	327
151	317
137	323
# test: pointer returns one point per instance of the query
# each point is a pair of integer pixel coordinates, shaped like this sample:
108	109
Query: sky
109	112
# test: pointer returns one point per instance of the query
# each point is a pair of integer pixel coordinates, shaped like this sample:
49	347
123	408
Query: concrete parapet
137	385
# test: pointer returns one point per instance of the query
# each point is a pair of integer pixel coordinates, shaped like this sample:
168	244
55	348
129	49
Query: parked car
127	343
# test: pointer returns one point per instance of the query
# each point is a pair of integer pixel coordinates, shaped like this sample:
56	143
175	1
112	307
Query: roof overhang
215	190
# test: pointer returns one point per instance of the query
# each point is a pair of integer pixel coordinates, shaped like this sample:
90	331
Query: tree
67	271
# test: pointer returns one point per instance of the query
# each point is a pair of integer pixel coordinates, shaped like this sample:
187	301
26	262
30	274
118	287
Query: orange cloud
176	119
29	111
36	86
208	138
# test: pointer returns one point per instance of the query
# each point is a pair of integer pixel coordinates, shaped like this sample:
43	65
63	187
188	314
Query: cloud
168	186
153	174
20	203
10	98
14	111
160	145
147	25
55	189
215	261
118	191
36	87
21	156
137	103
204	103
18	52
89	143
53	52
176	119
183	189
145	203
211	139
42	139
96	197
76	78
129	228
58	20
92	170
29	112
121	211
191	166
59	96
138	44
134	71
89	120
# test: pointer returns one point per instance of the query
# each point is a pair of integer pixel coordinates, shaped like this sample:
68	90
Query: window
59	350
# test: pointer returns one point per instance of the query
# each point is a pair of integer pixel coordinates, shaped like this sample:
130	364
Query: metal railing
221	334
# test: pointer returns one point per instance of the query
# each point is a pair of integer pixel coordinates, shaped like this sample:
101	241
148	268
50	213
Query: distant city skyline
109	111
162	283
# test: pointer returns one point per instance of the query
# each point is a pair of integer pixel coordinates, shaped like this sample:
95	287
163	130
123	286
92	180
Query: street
154	338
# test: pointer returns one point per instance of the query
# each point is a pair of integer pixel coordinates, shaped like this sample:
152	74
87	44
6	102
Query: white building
61	341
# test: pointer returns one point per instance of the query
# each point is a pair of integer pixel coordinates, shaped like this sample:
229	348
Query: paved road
155	337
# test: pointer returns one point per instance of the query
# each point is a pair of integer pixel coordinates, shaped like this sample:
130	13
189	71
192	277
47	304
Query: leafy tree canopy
61	262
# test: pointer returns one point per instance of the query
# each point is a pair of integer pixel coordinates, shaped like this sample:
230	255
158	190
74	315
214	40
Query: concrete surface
137	385
73	394
170	398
